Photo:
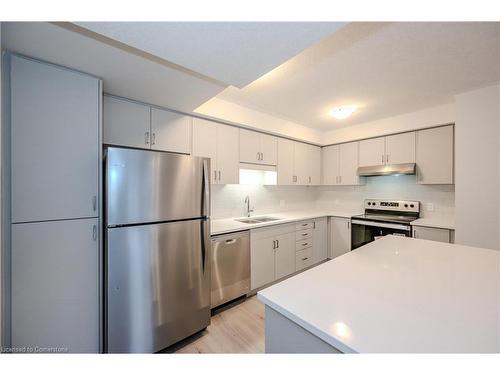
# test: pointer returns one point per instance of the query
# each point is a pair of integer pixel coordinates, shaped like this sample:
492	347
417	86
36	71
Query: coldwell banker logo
33	349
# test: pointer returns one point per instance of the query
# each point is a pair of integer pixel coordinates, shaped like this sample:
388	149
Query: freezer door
149	186
158	285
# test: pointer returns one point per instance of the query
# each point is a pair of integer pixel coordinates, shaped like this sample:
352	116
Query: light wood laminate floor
239	329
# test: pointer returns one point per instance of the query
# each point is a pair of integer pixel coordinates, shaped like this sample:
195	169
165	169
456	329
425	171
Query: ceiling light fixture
342	112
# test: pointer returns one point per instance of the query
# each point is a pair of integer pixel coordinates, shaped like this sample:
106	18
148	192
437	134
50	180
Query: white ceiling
384	68
235	53
124	72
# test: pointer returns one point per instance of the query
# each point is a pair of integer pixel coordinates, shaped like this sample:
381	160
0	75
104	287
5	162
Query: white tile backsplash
228	200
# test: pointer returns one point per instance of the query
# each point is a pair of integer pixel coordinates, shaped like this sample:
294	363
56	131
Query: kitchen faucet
247	202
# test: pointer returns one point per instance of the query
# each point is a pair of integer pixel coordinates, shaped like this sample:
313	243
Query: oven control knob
406	205
411	205
369	204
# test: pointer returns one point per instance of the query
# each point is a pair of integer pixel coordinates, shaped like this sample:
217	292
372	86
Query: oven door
365	231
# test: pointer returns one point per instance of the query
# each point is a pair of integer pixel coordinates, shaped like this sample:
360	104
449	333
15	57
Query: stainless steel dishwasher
230	260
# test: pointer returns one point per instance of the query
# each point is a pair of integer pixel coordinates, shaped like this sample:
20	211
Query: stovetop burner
402	212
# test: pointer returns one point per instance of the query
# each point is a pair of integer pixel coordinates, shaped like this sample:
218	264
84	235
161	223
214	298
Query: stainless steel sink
257	220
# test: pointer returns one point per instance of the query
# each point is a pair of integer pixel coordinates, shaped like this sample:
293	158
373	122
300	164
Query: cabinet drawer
303	259
304	225
272	231
300	245
303	234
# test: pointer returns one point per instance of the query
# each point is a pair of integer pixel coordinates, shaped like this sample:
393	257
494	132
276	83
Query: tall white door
372	152
285	161
340	236
205	143
268	149
227	154
285	255
400	148
55	285
314	165
249	146
348	163
331	165
170	131
261	261
126	123
54	142
320	240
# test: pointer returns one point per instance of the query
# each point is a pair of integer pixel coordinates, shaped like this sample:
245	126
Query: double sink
257	220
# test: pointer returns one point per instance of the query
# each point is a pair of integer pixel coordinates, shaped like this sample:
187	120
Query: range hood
386	170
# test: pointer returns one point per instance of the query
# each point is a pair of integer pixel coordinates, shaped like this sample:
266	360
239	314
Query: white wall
228	200
477	167
389	187
440	115
224	110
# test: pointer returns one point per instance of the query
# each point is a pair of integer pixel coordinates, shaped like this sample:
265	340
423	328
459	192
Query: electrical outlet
429	206
282	203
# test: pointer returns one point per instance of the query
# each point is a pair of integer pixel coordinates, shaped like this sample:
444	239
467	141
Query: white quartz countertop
439	222
398	294
221	226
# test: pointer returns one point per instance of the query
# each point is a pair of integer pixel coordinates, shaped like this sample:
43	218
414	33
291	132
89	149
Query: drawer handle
304	234
304	244
304	225
305	258
231	241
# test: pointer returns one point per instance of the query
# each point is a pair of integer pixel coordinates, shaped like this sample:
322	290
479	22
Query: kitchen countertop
440	222
221	226
398	294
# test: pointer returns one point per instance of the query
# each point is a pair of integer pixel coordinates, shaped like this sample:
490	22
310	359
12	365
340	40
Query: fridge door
150	186
158	284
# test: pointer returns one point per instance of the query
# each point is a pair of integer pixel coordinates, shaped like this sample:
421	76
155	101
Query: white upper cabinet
372	152
400	148
434	155
300	163
331	165
55	120
170	131
126	123
220	143
285	167
340	164
314	165
228	149
258	148
393	149
348	163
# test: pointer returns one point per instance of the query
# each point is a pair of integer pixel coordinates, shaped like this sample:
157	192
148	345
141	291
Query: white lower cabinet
272	254
433	234
320	240
340	236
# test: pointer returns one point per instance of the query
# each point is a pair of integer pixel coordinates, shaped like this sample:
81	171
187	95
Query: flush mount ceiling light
342	112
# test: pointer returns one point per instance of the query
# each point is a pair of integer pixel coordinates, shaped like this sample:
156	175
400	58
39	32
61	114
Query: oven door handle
381	225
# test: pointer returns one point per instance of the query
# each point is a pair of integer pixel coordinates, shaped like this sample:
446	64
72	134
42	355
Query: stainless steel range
383	217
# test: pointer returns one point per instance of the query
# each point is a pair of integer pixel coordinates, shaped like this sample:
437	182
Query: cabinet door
261	261
54	142
228	171
348	163
371	152
340	236
434	155
55	285
320	240
170	131
432	234
314	164
269	149
249	146
400	148
285	255
205	143
126	123
285	162
330	165
300	162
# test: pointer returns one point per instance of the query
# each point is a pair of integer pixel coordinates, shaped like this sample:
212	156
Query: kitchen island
395	294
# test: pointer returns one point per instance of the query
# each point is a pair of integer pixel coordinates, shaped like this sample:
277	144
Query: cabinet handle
215	175
258	155
294	179
274	244
340	179
219	175
262	156
304	225
305	258
153	138
277	244
414	233
387	158
304	234
309	179
147	138
94	203
94	232
304	244
382	158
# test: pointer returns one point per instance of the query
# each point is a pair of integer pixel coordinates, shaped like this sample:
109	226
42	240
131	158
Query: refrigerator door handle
205	198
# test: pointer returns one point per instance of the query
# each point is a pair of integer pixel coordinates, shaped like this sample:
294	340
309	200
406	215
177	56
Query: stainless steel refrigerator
157	248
